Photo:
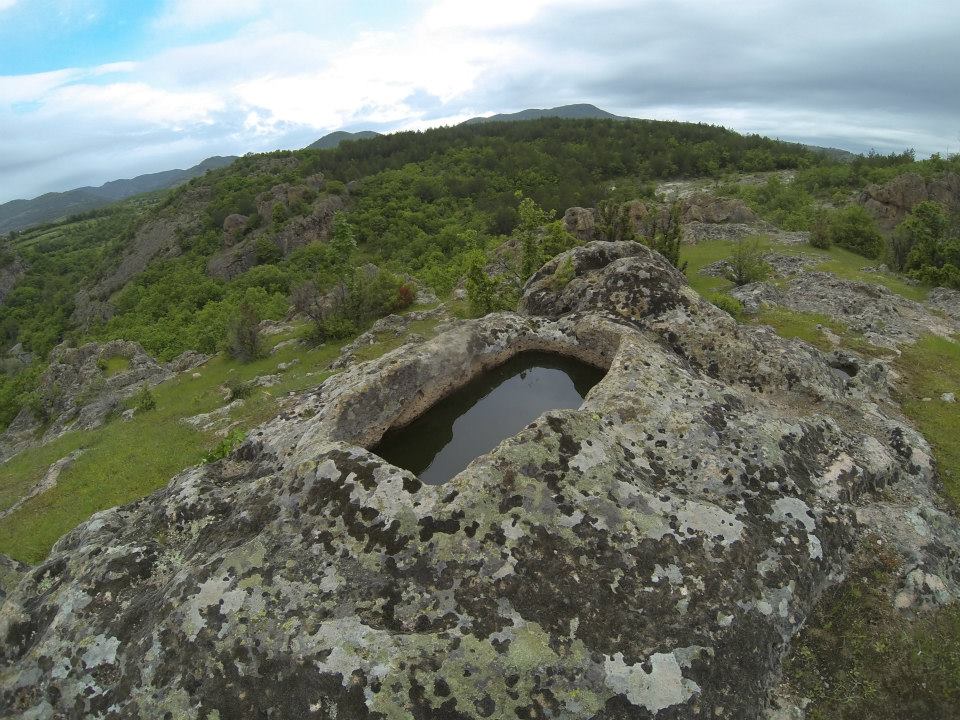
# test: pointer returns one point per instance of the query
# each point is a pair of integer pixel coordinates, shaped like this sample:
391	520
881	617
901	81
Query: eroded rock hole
473	420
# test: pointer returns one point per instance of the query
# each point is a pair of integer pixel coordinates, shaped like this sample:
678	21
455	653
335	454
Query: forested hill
171	272
18	214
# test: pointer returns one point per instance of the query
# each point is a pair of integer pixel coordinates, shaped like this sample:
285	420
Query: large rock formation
77	393
647	555
891	202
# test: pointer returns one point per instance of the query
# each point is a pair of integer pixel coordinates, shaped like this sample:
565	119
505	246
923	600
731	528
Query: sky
94	90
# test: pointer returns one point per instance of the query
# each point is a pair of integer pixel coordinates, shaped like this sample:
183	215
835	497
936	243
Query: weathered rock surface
11	572
891	202
157	237
945	301
885	318
10	275
781	265
581	223
647	555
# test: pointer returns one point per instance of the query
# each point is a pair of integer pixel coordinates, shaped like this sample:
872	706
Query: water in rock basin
474	419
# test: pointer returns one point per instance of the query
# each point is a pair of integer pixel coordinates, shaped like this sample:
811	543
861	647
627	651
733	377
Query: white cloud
7	4
195	14
293	70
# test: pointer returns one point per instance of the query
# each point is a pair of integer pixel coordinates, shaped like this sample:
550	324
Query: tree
343	243
667	236
243	339
613	222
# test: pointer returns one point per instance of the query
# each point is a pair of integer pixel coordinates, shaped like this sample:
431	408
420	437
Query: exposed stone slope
648	555
891	201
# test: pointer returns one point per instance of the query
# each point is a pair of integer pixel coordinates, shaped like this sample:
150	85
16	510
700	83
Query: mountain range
20	214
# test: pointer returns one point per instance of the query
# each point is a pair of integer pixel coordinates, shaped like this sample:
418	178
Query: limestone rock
11	572
884	317
648	554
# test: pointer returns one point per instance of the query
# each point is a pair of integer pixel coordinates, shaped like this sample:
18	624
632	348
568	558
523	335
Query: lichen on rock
649	554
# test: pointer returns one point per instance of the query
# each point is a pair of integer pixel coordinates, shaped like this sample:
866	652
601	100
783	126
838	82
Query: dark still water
473	420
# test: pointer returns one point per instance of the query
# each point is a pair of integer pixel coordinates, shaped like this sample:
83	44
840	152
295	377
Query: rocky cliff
647	555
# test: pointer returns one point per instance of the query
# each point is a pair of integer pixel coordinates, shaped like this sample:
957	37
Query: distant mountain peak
578	111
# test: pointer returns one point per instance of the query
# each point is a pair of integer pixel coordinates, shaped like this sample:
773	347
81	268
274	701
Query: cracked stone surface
648	555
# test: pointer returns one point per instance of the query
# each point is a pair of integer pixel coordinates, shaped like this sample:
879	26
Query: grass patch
115	365
930	368
793	324
126	460
859	659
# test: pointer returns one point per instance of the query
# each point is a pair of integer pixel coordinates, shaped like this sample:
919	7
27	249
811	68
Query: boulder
649	554
77	394
581	223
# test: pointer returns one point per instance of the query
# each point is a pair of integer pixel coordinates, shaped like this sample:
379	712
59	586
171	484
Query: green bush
225	446
820	232
855	229
747	264
238	389
144	400
728	304
243	339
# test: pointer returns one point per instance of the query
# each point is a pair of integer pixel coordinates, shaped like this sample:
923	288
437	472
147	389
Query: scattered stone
284	366
48	482
127	415
214	421
949	397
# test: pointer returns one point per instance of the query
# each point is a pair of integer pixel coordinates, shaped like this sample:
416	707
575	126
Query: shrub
855	229
563	274
405	296
336	187
728	304
144	400
238	389
243	338
820	232
747	264
267	251
225	446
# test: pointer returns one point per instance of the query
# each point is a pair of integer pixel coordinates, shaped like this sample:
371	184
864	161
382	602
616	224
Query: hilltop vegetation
421	206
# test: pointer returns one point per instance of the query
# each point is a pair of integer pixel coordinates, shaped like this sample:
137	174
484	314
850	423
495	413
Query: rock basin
474	419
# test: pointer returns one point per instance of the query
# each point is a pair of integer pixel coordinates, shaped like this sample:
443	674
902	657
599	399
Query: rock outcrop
647	555
78	394
885	318
889	203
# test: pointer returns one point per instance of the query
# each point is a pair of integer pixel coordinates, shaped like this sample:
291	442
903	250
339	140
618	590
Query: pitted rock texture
648	555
